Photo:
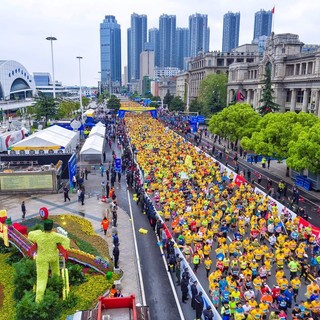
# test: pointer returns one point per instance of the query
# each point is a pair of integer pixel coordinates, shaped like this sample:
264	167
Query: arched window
32	152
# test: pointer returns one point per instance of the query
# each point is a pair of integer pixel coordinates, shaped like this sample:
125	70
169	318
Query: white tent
54	139
93	149
98	131
100	124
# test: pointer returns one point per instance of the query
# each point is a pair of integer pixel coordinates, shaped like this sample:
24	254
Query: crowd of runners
259	263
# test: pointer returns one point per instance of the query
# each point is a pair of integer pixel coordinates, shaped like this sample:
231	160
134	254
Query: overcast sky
25	24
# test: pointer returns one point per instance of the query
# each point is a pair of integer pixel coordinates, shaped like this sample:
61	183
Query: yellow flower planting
85	224
6	281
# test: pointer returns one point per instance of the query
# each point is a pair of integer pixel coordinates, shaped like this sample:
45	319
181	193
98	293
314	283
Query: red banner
314	230
239	180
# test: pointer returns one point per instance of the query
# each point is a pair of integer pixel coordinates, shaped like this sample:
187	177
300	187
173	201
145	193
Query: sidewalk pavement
93	210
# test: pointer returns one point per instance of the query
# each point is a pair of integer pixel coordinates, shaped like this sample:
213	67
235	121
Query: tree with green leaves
45	107
267	100
235	122
275	131
66	109
195	106
304	152
176	104
167	98
85	101
114	103
213	93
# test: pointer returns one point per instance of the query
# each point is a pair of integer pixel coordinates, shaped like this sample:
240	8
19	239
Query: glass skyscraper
137	37
231	28
199	34
262	24
182	45
167	35
154	41
110	53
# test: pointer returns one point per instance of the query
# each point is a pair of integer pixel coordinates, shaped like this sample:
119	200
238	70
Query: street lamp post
51	39
80	91
188	97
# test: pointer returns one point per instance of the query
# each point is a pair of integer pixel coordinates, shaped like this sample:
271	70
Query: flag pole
272	11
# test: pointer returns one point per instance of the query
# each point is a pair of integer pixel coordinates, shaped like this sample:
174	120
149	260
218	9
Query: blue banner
121	114
117	164
153	114
72	168
201	119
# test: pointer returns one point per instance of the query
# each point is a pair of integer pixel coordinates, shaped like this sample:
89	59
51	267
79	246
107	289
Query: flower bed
83	296
6	289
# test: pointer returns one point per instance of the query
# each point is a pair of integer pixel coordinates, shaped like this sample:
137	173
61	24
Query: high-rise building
199	34
154	40
262	24
167	35
182	46
137	37
231	27
110	54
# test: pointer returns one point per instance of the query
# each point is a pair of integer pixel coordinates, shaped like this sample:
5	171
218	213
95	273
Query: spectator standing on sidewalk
184	289
66	193
105	225
116	254
101	169
198	302
23	209
268	162
194	292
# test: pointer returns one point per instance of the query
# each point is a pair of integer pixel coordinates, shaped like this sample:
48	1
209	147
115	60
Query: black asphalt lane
159	296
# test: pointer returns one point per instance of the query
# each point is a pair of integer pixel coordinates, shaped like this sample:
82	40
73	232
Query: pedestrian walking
66	193
249	174
86	173
105	225
101	169
268	163
82	196
74	181
116	254
23	209
107	189
119	177
108	174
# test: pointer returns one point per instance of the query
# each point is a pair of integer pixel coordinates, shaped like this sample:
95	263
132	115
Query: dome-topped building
16	83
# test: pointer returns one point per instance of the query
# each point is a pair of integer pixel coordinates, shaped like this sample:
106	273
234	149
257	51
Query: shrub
55	284
3	248
76	276
25	277
14	257
49	308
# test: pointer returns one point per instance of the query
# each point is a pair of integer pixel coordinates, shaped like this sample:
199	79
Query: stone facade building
212	62
295	75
